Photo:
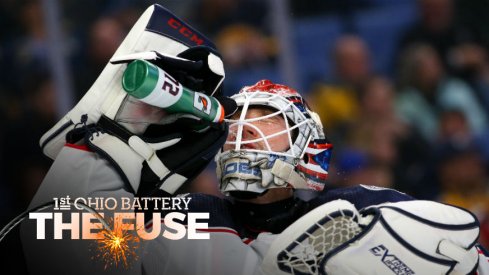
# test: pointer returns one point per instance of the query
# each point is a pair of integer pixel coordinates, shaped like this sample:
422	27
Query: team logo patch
391	261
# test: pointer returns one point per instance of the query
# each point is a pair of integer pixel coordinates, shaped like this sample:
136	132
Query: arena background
402	86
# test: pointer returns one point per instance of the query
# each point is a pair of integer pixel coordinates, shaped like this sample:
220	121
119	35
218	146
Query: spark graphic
118	246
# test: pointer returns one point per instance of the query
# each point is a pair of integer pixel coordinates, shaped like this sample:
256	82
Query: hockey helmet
244	167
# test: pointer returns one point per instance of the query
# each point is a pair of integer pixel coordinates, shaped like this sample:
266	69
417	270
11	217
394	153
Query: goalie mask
275	141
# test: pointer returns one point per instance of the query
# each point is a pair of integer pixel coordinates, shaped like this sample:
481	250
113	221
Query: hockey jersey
239	234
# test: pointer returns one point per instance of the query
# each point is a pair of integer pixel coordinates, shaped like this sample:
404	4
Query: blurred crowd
408	111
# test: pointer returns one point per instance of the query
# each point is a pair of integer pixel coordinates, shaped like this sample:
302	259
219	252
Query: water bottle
152	85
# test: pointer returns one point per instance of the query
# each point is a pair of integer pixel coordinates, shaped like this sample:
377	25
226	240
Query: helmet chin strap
285	172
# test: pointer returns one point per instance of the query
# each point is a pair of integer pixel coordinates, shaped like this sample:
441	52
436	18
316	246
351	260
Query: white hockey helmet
304	165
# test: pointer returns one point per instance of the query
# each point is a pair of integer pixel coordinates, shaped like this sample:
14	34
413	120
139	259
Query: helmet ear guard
303	166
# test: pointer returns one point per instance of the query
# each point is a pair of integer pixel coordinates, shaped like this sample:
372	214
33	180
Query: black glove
189	157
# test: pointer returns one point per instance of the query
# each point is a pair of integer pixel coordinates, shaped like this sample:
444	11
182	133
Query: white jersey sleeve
76	172
223	253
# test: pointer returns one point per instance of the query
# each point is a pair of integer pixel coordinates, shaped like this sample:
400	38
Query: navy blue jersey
361	196
251	219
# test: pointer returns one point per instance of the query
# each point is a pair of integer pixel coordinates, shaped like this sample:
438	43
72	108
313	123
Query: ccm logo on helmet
177	25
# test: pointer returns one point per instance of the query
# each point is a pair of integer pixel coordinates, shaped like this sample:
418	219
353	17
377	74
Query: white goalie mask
283	146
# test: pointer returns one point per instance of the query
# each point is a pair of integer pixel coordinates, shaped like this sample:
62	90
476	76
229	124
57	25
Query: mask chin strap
285	173
128	152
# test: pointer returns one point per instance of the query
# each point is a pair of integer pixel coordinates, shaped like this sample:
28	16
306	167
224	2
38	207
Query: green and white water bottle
152	85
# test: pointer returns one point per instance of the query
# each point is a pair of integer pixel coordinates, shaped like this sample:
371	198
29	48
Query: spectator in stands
464	181
426	89
473	61
352	60
105	36
391	144
27	51
26	165
458	45
454	129
243	46
377	127
336	101
210	16
355	166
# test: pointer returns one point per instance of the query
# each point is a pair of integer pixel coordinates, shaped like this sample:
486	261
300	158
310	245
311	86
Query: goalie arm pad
411	237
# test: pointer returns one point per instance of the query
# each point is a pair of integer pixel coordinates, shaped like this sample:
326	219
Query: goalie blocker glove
411	237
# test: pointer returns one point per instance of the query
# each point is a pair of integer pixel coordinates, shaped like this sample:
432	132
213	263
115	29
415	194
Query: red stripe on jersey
247	240
482	252
82	147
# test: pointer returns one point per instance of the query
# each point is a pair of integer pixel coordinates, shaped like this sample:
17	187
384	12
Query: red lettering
174	23
185	31
177	25
197	40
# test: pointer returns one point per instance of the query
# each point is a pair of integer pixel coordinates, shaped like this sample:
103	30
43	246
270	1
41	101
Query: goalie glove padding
188	157
300	248
133	135
164	158
211	71
412	237
157	29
